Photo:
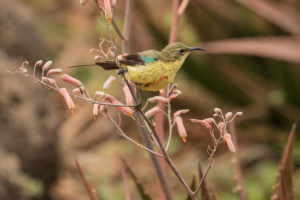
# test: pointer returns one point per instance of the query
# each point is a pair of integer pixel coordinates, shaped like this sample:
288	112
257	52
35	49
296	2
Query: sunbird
152	70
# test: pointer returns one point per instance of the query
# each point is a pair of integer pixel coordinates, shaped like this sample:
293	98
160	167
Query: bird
152	70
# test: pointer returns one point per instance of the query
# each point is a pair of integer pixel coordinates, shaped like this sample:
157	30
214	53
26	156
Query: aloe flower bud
64	92
108	82
71	80
158	99
152	111
228	140
54	71
181	128
128	96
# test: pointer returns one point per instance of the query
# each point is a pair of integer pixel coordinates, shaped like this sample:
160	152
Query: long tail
106	65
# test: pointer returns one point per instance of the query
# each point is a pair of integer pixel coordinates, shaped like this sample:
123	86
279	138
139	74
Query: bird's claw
122	71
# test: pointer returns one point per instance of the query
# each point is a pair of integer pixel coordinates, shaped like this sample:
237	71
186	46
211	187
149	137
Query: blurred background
251	65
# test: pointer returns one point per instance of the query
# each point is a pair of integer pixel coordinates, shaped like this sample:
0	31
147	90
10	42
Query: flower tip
217	110
73	112
184	139
83	2
238	114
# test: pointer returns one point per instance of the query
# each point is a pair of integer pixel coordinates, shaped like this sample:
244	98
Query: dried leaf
208	192
192	186
283	188
138	185
284	48
126	189
91	191
272	13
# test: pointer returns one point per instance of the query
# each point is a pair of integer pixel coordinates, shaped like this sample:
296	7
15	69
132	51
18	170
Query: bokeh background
251	65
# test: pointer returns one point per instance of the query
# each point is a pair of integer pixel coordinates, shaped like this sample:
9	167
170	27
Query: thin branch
128	138
182	7
118	30
127	25
91	191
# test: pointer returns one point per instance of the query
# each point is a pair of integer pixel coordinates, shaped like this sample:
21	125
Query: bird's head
177	51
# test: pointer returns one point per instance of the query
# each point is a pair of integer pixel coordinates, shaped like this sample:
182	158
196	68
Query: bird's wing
138	59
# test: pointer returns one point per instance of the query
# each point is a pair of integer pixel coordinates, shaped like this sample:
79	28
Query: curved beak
194	48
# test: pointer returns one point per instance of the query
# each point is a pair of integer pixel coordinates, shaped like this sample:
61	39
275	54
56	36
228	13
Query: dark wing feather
108	65
132	60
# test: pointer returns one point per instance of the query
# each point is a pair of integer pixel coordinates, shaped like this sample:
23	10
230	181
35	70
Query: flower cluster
220	122
105	7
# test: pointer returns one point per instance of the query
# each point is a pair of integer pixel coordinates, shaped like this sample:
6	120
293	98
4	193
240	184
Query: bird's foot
138	107
122	71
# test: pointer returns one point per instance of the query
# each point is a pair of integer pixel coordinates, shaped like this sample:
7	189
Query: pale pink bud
47	65
100	94
217	110
181	128
175	94
37	64
215	115
108	82
107	10
152	111
83	2
228	115
54	71
179	112
158	99
238	114
71	80
128	96
97	57
50	81
64	92
77	91
228	140
23	67
96	109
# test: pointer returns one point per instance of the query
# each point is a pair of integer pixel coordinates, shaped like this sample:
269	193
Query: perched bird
152	70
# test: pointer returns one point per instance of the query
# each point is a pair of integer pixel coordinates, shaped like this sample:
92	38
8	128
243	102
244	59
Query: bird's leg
122	71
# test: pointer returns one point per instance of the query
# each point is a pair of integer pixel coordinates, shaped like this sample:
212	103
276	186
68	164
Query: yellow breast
153	76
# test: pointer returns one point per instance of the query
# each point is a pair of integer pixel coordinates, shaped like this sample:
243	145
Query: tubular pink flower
47	65
54	71
96	109
206	123
228	140
107	10
179	112
158	99
125	110
108	82
71	80
83	2
181	128
152	111
64	92
128	96
99	94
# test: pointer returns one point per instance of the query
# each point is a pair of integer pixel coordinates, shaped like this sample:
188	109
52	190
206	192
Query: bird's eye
181	50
